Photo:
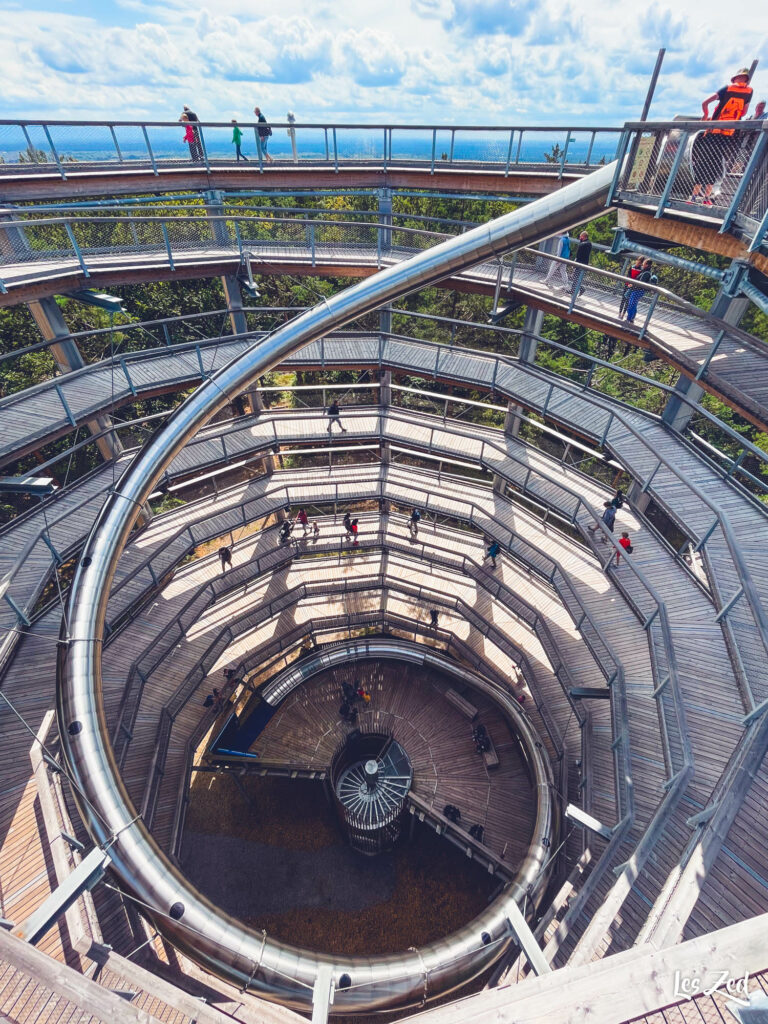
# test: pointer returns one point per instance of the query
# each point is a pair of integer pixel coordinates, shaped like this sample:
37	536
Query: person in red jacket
626	545
713	148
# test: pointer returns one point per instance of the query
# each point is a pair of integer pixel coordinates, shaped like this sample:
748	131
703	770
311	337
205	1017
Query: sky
495	62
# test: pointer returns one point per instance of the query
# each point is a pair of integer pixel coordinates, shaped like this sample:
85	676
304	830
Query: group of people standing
193	137
608	520
352	694
641	271
582	254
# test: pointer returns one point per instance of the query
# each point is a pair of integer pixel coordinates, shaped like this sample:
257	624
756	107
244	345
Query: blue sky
410	61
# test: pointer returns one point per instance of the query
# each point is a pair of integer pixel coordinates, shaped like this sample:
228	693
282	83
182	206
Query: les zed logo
736	988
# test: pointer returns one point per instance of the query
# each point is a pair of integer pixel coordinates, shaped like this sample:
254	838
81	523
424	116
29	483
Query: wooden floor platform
409	704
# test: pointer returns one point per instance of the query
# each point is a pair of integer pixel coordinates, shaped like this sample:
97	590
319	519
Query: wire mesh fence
721	170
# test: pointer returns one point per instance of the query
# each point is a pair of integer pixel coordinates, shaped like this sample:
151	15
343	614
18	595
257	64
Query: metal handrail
256	334
154	653
744	575
556	577
328	146
383	246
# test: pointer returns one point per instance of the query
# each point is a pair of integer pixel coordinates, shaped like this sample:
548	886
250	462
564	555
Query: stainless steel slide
277	971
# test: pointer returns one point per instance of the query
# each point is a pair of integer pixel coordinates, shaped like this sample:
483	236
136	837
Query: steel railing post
149	149
509	152
664	198
167	245
117	145
651	308
53	151
620	154
564	156
762	230
335	152
590	148
76	247
203	149
519	147
434	147
738	195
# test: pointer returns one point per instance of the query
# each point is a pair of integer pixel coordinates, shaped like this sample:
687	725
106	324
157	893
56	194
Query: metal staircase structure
644	676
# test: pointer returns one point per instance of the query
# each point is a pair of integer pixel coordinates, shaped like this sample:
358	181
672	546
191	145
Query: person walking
195	145
413	523
558	269
583	256
264	133
347	524
353	529
334	416
712	148
618	499
303	519
189	135
315	532
434	617
226	558
634	271
626	545
493	549
237	138
636	292
609	518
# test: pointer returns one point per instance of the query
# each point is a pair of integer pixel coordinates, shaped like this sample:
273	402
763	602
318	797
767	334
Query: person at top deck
195	145
264	132
760	113
712	148
237	138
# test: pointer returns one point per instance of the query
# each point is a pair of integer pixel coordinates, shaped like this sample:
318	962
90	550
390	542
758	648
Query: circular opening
177	911
74	728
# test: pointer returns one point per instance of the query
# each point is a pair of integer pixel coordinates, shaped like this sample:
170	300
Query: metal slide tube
220	943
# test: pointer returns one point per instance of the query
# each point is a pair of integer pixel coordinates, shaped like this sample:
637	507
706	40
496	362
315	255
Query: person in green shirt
237	136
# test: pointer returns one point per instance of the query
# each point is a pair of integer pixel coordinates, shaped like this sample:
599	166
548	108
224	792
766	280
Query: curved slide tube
220	943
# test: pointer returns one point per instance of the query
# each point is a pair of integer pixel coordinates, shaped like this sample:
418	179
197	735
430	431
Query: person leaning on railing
712	148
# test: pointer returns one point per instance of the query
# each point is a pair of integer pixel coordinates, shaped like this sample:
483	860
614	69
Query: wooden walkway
138	177
635	440
736	372
408	703
37	656
715	728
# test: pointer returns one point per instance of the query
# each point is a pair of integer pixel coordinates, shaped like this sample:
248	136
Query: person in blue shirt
493	550
559	269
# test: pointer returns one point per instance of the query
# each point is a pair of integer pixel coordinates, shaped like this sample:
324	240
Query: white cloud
370	57
460	61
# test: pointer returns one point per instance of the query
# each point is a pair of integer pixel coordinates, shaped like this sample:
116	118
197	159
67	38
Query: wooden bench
490	756
461	704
